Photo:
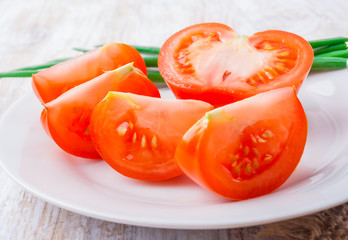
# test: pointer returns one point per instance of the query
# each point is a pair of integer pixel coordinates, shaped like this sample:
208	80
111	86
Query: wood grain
32	32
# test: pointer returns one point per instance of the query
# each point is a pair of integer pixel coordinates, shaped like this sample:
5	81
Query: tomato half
52	82
67	118
137	135
210	62
248	148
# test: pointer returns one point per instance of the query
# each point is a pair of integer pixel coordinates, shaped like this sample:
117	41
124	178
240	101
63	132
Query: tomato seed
281	67
236	170
260	139
248	169
267	134
134	138
143	141
268	47
154	142
253	139
122	128
246	150
267	158
255	163
255	151
284	54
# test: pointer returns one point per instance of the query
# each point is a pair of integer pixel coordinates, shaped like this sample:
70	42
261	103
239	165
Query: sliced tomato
66	119
210	62
137	135
248	148
52	82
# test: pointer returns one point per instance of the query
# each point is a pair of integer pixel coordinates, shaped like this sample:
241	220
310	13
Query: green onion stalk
329	54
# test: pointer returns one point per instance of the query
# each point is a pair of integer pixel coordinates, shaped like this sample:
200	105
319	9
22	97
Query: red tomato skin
50	83
145	118
195	154
215	97
66	119
43	120
185	86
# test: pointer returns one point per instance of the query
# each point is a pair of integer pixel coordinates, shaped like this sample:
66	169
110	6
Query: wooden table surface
36	31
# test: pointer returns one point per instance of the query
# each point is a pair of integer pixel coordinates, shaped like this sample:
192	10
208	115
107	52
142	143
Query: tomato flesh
211	62
248	148
67	118
260	145
50	83
137	135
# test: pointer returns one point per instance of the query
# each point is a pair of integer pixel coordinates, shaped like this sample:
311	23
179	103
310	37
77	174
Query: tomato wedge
137	135
210	62
66	119
248	148
52	82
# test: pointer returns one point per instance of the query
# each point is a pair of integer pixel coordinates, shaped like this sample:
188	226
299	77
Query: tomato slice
137	135
52	82
210	62
66	119
248	148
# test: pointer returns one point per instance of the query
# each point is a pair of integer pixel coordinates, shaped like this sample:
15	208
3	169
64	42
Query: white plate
92	188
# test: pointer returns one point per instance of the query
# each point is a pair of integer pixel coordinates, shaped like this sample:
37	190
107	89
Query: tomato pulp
210	62
67	118
246	149
137	135
50	83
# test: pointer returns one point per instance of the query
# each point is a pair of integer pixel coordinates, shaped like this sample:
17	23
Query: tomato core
235	62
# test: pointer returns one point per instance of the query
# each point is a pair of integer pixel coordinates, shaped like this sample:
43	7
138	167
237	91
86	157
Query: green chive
45	65
325	49
155	76
327	41
147	50
81	50
339	53
151	61
141	49
329	63
329	53
20	73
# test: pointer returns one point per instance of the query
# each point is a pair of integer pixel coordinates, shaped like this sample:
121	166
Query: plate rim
154	223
